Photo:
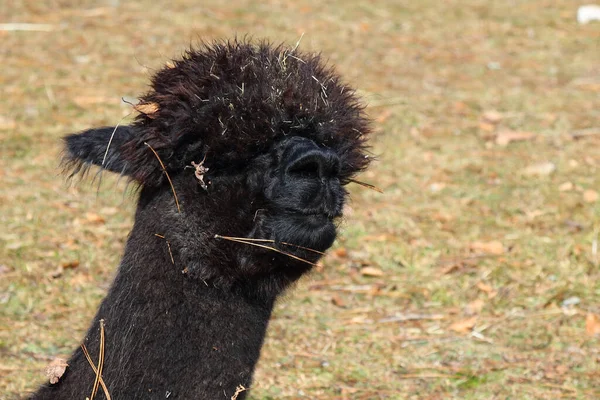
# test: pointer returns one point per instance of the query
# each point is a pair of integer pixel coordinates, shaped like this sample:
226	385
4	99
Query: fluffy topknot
229	101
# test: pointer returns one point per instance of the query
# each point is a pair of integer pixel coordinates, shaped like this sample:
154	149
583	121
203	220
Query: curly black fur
279	135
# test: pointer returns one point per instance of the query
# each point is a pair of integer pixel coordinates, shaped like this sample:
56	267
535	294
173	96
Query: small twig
264	247
595	248
238	390
297	58
166	173
21	26
168	246
477	335
50	93
112	135
353	288
560	387
581	133
298	43
368	186
272	241
89	359
100	362
411	317
458	259
424	376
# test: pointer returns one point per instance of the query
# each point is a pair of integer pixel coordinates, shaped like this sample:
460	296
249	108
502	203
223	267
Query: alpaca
237	139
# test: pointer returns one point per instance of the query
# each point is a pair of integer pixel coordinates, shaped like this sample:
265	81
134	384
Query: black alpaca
235	139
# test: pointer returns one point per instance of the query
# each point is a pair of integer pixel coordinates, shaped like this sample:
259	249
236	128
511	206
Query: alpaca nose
314	163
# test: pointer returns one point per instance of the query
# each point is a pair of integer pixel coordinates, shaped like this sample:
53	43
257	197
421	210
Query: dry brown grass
482	253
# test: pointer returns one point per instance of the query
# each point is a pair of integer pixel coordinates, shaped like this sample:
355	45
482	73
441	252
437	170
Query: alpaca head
258	142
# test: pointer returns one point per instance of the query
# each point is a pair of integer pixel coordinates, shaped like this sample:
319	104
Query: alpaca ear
102	147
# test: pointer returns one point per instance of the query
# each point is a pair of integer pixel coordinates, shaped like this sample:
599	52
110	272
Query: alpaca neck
167	335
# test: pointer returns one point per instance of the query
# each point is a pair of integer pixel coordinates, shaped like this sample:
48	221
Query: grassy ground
482	277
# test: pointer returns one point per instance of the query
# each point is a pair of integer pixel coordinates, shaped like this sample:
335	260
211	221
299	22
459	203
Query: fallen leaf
109	210
464	326
375	290
484	287
414	132
574	226
486	126
371	271
590	161
94	218
451	268
592	324
461	108
70	264
384	116
474	307
358	320
147	109
565	187
341	252
494	247
504	137
338	301
531	215
55	370
57	273
7	123
16	245
571	301
441	216
493	116
562	369
437	186
590	196
80	280
540	169
427	156
384	237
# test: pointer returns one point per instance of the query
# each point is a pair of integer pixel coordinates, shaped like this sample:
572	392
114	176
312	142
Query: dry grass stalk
272	241
238	390
244	241
89	359
167	174
112	135
368	186
100	362
21	26
595	260
168	246
97	370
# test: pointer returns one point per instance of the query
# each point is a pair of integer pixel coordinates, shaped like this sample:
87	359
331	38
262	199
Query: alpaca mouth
315	215
316	230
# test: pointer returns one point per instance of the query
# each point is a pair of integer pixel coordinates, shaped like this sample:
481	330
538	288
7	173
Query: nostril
317	163
305	168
